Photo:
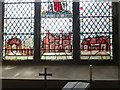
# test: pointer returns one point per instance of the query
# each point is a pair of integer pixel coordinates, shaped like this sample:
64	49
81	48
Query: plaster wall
60	72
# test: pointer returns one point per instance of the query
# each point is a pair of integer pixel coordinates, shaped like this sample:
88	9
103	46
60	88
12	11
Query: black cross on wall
45	74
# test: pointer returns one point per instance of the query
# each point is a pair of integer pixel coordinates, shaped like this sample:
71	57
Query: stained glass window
18	30
96	30
56	30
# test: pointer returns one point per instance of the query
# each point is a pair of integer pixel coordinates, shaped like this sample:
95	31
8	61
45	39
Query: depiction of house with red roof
57	43
96	43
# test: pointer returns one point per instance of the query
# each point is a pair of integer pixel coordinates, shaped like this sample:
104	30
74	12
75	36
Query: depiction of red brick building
96	43
15	45
56	43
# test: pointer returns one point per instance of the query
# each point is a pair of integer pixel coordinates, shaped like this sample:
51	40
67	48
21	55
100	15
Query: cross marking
45	74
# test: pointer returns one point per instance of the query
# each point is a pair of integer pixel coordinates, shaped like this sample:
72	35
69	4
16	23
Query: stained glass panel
96	30
56	30
18	32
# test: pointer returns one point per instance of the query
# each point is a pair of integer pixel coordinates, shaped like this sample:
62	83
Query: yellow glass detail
81	20
5	21
110	19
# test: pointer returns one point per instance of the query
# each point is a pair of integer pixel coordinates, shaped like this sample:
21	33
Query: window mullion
76	37
115	21
37	28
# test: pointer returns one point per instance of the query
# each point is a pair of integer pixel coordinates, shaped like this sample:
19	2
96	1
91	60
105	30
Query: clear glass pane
20	10
95	9
19	25
9	1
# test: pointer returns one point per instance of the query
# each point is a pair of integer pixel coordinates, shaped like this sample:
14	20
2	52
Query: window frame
76	40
